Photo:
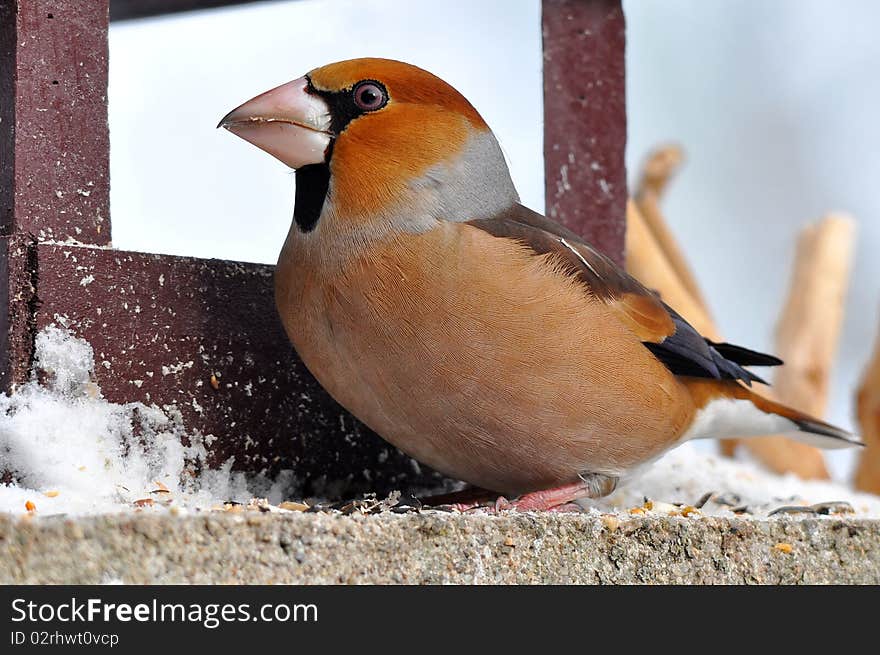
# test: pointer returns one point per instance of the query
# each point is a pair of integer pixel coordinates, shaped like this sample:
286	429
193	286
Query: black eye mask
344	105
313	181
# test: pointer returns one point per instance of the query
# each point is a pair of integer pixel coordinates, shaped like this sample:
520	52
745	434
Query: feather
664	332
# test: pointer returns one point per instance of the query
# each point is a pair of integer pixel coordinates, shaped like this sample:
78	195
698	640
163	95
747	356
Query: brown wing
666	334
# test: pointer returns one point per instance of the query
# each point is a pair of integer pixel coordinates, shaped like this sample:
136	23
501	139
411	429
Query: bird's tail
808	429
730	410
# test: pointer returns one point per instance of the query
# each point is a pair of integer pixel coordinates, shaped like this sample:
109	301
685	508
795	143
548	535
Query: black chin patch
313	180
312	183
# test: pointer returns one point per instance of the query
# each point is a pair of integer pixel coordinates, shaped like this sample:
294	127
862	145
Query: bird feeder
202	334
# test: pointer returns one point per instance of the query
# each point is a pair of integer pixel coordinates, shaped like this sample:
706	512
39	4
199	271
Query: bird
476	335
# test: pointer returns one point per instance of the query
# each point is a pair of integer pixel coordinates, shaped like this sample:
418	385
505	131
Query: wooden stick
815	299
806	339
807	333
646	261
784	455
809	327
661	165
868	407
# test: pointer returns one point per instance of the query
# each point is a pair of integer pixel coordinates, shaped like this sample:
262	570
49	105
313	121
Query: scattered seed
666	508
451	509
830	507
727	499
834	507
792	509
259	504
704	499
293	506
610	522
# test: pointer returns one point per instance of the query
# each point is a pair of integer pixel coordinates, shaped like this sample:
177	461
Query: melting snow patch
685	478
71	451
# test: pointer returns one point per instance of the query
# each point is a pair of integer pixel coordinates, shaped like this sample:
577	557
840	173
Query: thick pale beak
289	123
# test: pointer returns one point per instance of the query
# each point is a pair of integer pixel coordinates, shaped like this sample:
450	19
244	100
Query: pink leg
560	499
546	499
557	499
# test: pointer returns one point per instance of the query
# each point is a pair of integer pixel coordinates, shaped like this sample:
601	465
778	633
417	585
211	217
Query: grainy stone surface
436	547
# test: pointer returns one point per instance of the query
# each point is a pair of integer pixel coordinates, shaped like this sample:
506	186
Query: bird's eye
370	96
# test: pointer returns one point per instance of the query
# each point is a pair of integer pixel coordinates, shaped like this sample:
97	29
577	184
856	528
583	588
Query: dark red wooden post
585	119
128	9
203	335
54	168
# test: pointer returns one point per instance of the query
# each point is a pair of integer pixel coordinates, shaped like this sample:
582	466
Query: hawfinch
480	337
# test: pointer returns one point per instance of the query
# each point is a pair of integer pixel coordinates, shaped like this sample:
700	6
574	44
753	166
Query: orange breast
483	361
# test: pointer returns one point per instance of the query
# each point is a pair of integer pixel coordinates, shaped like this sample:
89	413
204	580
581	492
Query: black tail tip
824	435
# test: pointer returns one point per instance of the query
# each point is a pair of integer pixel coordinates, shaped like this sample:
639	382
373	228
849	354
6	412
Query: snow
73	452
685	475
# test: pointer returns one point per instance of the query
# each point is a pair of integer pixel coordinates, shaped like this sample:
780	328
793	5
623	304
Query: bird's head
378	145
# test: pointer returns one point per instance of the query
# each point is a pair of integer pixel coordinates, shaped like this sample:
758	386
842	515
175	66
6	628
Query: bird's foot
560	499
557	499
545	500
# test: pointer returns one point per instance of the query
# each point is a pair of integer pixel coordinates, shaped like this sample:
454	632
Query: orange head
378	145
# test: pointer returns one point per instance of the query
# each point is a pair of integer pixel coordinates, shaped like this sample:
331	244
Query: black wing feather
744	356
688	353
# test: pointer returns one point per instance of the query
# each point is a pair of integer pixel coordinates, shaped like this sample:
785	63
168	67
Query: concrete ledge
435	547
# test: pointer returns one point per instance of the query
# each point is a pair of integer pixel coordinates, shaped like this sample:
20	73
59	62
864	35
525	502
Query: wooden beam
54	141
585	119
128	9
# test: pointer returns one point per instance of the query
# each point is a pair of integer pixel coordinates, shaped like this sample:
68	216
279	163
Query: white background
775	101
